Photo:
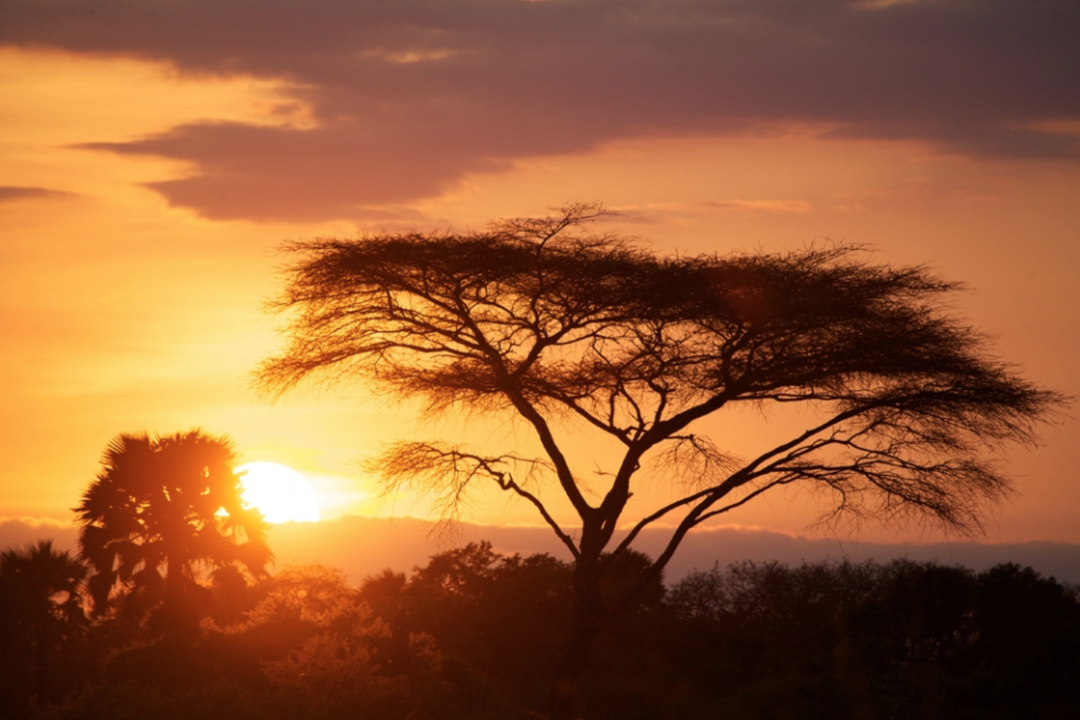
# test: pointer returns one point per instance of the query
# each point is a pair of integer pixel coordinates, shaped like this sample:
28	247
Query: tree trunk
175	607
584	625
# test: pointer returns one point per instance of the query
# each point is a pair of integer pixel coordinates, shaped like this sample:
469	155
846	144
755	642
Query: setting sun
280	493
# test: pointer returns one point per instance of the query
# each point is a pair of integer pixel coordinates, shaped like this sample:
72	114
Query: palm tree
41	598
167	504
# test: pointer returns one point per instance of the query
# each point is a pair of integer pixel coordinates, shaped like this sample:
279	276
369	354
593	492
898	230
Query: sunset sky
155	155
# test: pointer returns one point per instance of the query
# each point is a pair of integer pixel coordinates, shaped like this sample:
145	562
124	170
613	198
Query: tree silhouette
41	616
562	329
157	506
902	639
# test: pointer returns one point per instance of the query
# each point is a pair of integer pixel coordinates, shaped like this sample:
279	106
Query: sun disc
280	493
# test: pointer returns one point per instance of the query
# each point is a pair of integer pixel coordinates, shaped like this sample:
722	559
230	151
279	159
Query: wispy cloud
772	206
670	211
10	193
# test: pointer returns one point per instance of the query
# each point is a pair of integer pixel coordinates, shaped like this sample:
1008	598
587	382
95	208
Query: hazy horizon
362	546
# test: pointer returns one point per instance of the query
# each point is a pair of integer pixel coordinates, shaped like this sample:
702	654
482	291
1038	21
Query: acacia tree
544	321
156	506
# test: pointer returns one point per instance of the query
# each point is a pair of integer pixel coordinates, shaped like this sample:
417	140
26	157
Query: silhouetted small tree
564	330
42	623
339	655
160	509
504	616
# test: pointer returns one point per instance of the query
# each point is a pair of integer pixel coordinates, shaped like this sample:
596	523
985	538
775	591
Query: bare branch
445	473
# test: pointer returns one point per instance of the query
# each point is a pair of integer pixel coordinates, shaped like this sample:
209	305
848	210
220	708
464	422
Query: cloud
283	173
410	96
9	193
772	206
669	212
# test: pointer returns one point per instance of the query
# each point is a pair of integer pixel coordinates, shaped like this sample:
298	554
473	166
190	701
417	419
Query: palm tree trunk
174	607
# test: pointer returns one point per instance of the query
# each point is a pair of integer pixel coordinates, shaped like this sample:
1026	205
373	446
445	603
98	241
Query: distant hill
363	546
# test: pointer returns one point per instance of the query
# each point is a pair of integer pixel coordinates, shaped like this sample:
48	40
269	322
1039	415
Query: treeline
477	634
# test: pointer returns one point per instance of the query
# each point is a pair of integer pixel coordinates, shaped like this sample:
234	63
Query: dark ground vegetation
476	634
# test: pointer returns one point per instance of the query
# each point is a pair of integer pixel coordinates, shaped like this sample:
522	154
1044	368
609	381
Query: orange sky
147	178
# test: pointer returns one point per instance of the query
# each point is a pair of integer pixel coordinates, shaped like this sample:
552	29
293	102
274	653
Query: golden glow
120	313
280	493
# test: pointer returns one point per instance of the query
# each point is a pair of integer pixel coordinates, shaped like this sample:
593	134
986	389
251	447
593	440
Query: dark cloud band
411	95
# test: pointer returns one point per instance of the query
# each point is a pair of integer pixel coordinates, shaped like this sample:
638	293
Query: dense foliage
476	634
